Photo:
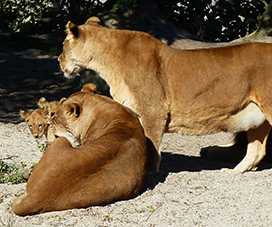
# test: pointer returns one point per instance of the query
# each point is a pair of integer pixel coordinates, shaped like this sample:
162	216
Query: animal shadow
175	163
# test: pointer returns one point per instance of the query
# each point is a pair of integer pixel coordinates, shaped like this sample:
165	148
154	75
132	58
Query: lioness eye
40	126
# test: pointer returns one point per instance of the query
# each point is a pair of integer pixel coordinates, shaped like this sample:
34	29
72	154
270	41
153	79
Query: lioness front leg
154	129
256	148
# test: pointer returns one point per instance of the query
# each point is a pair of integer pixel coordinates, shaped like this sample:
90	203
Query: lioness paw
227	170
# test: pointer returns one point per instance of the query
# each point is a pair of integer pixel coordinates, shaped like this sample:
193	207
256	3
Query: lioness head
36	121
62	122
69	119
73	47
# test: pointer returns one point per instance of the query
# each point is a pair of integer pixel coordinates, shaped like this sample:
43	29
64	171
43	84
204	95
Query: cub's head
49	107
70	119
37	121
73	59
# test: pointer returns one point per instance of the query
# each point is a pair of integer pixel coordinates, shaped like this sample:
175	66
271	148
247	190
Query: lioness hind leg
17	206
232	153
256	148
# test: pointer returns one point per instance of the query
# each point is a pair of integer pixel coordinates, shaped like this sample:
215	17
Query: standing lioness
187	91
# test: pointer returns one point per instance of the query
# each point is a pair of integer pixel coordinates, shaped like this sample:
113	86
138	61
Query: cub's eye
40	125
52	114
30	126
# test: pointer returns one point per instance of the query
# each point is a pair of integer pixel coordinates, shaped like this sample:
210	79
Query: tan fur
109	165
38	121
50	107
192	92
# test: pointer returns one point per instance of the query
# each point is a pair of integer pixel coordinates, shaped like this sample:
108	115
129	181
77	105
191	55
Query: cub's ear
73	110
93	20
89	88
62	101
25	114
73	29
43	103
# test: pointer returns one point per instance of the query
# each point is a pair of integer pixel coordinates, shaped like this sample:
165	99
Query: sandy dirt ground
188	190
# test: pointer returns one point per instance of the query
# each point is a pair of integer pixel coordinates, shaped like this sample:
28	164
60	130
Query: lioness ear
89	88
93	20
73	29
74	110
25	114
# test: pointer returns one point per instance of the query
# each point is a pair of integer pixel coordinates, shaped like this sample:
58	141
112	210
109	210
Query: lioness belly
248	118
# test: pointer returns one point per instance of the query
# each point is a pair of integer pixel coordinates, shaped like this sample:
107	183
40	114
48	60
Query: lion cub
38	119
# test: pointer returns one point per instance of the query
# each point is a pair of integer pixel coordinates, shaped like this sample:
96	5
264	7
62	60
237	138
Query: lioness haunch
191	92
109	165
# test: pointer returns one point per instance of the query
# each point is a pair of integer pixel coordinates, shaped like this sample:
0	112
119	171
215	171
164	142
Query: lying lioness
191	92
109	164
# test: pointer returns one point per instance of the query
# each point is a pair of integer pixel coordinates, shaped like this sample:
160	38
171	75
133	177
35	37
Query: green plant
43	146
120	3
15	173
214	20
28	17
22	14
33	167
3	167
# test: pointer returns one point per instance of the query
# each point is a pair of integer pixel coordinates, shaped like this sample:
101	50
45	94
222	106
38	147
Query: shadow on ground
175	163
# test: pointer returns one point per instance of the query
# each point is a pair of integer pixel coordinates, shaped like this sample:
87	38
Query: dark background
32	32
